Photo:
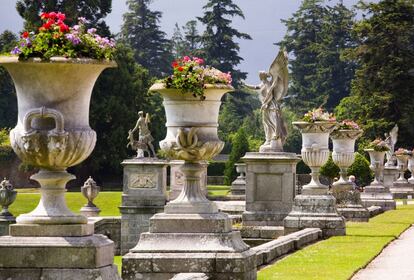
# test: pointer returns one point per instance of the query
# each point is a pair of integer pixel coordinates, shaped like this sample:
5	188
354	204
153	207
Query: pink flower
186	59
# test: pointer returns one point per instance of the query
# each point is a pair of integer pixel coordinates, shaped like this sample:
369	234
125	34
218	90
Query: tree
219	45
93	10
142	32
118	95
8	100
240	146
383	89
317	35
187	44
360	169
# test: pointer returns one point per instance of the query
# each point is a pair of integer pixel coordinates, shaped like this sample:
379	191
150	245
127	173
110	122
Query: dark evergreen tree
219	39
192	38
8	101
240	146
383	89
93	10
317	35
141	30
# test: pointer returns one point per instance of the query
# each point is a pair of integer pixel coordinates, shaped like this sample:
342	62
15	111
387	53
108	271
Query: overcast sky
262	22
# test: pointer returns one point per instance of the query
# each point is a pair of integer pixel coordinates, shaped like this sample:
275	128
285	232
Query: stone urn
90	191
7	197
410	167
315	151
191	136
402	162
52	131
343	153
377	166
238	186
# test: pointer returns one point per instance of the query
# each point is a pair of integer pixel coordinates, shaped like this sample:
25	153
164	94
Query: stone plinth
177	178
315	211
378	197
186	243
390	175
5	222
270	189
144	194
401	190
348	203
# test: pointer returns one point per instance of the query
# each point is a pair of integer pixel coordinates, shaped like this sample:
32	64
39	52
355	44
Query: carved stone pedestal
348	203
271	181
402	190
144	194
177	178
378	197
390	175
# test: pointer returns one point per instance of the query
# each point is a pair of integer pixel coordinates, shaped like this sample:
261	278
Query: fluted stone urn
52	134
315	207
376	194
7	197
402	161
347	198
191	225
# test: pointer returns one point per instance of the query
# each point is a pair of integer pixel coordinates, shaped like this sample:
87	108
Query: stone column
177	178
144	194
270	189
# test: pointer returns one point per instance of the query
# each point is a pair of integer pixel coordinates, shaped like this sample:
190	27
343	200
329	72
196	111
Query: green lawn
340	257
108	202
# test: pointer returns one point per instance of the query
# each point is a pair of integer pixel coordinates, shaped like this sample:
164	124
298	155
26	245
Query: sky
262	22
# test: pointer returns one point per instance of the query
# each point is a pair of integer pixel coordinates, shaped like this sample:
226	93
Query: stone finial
90	191
7	197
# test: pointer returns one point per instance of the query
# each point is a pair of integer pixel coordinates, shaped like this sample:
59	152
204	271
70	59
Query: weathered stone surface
231	207
315	211
103	273
111	227
5	224
390	175
382	199
375	210
401	190
190	276
56	252
177	178
52	230
270	188
354	214
265	232
144	194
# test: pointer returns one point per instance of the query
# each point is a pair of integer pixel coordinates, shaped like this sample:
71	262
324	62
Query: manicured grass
341	256
108	202
216	190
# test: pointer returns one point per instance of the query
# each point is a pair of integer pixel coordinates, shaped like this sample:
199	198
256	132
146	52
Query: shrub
360	169
330	169
240	145
6	151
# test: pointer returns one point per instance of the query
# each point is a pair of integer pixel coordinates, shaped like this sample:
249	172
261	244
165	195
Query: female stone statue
271	93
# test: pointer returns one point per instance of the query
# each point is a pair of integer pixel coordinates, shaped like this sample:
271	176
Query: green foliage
302	168
216	168
93	10
141	30
7	41
329	169
219	38
383	89
6	151
317	35
240	146
188	43
360	169
118	95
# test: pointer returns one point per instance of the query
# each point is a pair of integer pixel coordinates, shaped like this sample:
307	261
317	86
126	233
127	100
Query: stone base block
315	211
402	190
75	230
5	223
265	232
383	200
268	218
38	253
108	272
163	266
90	211
354	213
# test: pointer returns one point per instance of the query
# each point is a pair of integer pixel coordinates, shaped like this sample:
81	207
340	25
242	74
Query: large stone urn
52	134
376	194
315	207
191	225
347	197
401	187
411	169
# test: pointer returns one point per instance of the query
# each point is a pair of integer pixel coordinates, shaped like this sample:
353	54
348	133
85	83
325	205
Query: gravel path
396	262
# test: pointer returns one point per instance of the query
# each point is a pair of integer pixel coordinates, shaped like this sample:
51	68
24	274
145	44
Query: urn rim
57	60
160	87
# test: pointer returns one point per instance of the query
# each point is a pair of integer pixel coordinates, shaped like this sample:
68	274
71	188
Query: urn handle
57	137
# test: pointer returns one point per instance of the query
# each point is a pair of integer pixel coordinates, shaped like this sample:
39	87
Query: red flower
180	68
63	28
61	16
52	15
48	24
44	15
25	34
174	64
